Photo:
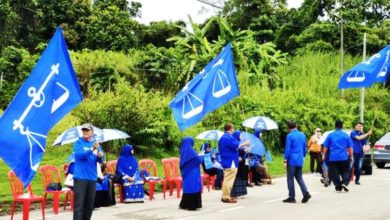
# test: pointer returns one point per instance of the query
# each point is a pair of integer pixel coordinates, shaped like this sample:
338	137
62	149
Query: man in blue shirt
85	173
339	146
228	150
359	139
294	154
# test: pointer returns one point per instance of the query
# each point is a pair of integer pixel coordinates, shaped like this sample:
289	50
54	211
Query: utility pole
362	90
341	44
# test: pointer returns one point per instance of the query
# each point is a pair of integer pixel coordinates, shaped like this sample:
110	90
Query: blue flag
49	93
375	69
214	86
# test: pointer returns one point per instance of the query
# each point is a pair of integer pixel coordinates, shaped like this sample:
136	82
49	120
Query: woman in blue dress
127	170
190	172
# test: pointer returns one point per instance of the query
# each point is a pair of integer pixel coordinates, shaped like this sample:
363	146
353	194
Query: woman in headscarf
240	183
127	169
213	171
190	172
260	170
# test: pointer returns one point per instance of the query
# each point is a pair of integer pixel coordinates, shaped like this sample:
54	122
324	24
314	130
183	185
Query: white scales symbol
38	99
197	104
356	76
383	71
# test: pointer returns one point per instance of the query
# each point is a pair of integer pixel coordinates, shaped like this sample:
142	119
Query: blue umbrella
256	146
212	135
260	122
101	135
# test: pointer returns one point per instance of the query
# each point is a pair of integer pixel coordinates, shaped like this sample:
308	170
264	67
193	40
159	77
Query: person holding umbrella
85	172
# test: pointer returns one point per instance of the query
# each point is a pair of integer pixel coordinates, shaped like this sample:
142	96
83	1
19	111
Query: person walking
294	154
87	156
341	153
359	139
315	152
228	147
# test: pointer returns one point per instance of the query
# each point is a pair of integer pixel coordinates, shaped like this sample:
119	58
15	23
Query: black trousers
315	157
340	169
84	197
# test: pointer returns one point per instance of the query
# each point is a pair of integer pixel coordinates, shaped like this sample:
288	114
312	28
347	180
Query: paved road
367	201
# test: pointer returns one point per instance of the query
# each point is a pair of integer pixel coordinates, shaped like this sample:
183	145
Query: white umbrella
101	135
325	135
213	135
260	122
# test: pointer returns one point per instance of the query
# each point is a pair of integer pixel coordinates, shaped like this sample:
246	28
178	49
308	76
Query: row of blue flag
52	90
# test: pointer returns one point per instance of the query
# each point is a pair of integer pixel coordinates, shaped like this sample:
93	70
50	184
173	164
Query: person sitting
105	194
212	170
261	168
127	169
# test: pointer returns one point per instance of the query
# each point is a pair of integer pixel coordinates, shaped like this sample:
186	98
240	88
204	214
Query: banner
214	86
49	93
374	69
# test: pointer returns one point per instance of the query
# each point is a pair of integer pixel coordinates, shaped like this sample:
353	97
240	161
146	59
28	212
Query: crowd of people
235	168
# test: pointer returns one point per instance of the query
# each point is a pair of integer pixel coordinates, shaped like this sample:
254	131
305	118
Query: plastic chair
25	199
51	174
69	196
151	167
111	168
172	174
209	180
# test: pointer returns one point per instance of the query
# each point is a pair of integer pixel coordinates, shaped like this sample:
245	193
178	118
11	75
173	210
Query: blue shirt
295	148
85	167
337	143
357	144
228	150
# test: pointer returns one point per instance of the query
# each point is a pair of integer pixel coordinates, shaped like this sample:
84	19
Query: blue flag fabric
49	93
374	69
214	86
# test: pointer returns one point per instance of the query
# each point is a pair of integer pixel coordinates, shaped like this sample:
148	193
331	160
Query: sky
174	10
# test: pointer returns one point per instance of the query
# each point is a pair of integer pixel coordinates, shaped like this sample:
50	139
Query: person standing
190	171
294	154
359	139
241	181
85	172
228	147
315	152
340	146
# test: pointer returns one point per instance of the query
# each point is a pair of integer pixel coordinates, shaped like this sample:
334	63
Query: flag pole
362	90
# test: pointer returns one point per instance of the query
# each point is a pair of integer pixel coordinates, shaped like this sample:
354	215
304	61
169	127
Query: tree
157	33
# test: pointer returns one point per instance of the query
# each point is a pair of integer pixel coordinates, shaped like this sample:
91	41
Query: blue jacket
295	150
228	150
85	160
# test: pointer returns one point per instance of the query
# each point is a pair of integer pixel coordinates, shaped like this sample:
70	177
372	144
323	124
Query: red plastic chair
172	174
25	199
151	167
51	174
111	168
209	180
69	196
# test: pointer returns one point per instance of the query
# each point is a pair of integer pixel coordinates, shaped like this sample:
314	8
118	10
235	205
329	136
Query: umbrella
325	135
101	135
212	135
260	122
256	146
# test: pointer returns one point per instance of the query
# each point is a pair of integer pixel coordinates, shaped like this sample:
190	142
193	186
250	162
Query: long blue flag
49	93
374	69
214	86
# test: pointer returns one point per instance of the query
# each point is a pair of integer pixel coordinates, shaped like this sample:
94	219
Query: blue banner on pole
214	86
374	69
49	93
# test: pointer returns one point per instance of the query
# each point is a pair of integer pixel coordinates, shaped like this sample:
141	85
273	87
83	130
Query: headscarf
127	164
237	134
187	152
257	133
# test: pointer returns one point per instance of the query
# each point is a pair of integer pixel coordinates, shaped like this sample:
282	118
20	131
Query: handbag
54	187
366	148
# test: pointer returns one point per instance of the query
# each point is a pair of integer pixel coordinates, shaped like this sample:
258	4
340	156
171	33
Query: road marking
231	209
